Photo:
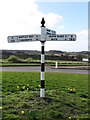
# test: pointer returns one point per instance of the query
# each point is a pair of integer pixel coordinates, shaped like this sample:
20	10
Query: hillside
49	55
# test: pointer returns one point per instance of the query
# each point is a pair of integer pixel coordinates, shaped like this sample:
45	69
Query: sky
23	17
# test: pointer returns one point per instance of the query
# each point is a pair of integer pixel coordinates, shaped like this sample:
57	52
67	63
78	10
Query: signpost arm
42	90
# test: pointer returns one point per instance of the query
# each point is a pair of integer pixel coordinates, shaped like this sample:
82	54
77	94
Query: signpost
46	35
50	32
37	37
61	37
24	38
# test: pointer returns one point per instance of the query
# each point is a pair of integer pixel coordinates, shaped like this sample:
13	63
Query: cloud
82	40
22	17
82	35
62	26
22	14
53	19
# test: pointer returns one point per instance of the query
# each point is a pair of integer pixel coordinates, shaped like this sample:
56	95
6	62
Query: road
47	69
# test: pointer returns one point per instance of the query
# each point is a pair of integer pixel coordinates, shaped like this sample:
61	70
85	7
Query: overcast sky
23	17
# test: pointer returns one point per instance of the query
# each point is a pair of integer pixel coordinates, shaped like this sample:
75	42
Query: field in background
33	58
38	63
66	96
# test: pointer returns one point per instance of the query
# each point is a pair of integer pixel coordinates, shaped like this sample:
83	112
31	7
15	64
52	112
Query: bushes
14	59
30	61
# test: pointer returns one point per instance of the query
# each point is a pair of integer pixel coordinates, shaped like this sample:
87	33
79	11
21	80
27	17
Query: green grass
66	95
47	62
19	64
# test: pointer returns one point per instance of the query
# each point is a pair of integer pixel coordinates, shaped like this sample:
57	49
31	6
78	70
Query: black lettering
12	40
30	35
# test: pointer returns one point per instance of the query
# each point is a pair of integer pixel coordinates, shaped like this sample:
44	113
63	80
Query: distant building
58	54
85	59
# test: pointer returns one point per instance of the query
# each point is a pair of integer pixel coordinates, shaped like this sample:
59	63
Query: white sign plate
50	32
24	38
61	37
37	37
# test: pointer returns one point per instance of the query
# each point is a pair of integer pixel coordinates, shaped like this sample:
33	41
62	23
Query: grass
19	64
66	96
47	62
38	64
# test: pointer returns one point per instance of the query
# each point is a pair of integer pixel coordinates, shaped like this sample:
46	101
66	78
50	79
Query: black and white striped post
42	90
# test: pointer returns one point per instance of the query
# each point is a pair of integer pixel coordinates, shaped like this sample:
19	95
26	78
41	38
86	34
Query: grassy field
66	96
47	62
31	62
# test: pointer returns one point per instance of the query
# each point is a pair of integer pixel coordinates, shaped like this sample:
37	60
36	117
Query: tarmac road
47	69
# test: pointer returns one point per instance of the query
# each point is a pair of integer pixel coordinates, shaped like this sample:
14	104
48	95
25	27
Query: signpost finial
43	22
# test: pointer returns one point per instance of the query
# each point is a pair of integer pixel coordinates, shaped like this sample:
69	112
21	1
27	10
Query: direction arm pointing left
24	38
